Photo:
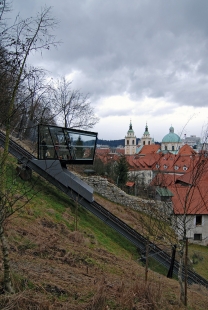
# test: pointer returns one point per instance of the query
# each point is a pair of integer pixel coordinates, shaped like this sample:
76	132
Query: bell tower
130	141
146	139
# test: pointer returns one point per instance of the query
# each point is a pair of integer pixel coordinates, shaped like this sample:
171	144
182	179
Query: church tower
130	141
146	139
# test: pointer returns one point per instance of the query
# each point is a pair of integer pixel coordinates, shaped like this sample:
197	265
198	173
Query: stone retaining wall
115	194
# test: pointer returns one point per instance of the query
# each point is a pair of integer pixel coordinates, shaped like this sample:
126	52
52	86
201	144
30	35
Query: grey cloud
158	48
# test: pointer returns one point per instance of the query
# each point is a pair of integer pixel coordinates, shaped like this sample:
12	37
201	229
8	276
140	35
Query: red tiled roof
130	184
147	149
105	156
120	151
130	160
190	200
182	163
102	151
198	173
190	190
186	150
164	180
146	162
176	163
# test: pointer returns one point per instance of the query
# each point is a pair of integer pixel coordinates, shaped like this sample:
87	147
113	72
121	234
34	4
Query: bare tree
24	37
74	108
5	6
36	106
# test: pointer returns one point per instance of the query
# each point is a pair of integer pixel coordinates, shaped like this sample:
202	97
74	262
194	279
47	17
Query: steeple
130	126
146	139
146	130
130	141
130	131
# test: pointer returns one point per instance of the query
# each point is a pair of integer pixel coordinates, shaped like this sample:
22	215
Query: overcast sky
140	60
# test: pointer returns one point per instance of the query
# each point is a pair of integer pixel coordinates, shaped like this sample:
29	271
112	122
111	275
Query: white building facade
196	227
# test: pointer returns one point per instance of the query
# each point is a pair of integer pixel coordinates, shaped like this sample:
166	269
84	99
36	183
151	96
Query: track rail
140	242
106	216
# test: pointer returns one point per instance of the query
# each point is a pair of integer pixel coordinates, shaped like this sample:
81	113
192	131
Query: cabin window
198	237
198	220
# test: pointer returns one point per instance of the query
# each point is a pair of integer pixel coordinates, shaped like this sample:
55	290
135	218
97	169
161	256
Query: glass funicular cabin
69	146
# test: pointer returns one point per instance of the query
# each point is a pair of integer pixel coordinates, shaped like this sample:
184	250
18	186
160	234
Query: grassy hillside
63	257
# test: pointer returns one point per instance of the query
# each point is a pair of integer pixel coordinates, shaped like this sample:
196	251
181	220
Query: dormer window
157	166
176	167
185	168
165	166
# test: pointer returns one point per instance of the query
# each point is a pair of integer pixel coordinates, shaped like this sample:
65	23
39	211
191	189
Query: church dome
171	137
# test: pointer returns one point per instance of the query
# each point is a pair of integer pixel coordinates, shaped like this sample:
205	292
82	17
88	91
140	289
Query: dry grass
55	268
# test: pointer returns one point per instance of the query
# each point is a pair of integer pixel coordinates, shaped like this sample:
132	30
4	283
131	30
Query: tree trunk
8	287
180	274
147	259
186	273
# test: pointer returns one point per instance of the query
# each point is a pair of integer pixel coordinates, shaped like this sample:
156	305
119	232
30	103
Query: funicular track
78	190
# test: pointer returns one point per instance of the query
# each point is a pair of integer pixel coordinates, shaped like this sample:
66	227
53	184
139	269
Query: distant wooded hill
113	143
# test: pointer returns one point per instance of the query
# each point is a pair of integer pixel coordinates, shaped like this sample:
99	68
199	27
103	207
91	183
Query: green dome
171	137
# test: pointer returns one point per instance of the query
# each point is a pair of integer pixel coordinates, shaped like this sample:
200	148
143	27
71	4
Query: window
166	148
127	142
157	166
143	142
132	141
185	168
176	167
198	237
165	166
198	220
172	147
149	142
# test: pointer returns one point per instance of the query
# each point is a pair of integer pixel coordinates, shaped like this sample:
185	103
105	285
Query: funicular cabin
70	146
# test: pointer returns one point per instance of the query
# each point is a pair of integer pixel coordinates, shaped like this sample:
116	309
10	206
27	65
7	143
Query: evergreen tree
121	170
79	148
